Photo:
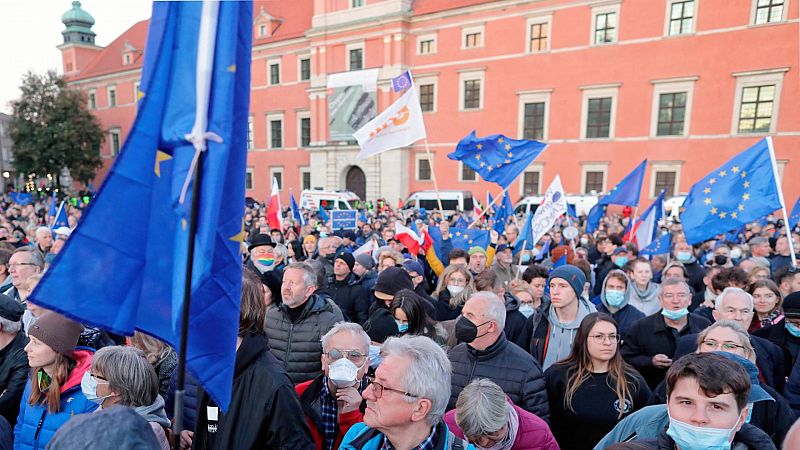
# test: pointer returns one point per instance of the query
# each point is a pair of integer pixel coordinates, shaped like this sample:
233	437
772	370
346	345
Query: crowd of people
572	344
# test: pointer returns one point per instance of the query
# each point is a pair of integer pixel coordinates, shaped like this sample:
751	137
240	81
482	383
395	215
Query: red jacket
309	392
533	432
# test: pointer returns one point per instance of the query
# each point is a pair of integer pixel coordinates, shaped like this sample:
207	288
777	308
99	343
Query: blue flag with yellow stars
464	238
124	267
626	192
660	246
794	217
742	190
497	158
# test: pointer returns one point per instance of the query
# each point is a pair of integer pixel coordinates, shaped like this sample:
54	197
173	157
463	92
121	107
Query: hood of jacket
649	294
512	302
83	355
584	309
628	283
154	412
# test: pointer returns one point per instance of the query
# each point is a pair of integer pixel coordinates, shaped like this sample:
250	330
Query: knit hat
348	259
572	275
477	249
380	325
791	305
390	281
366	261
57	332
10	309
413	266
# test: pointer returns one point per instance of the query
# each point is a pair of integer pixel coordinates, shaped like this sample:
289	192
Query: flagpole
55	218
519	269
783	203
488	207
433	176
633	223
198	137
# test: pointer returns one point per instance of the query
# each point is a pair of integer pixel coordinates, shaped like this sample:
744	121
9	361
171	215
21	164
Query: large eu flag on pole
124	266
626	192
497	158
742	190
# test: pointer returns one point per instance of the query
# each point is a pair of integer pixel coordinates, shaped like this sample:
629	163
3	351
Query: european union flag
323	215
461	222
571	211
626	192
740	191
60	217
464	238
660	246
497	158
503	213
53	209
794	217
21	198
525	235
195	86
296	210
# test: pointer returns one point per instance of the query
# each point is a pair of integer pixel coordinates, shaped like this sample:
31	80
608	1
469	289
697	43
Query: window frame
425	79
754	14
466	31
538	20
276	117
418	158
303	115
536	96
665	166
461	166
109	91
668	19
471	75
281	181
251	133
91	99
351	47
427	37
300	60
249	172
758	78
606	9
594	166
303	171
270	63
667	86
594	92
534	167
114	131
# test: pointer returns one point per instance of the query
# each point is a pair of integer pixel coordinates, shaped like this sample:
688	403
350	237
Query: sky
30	30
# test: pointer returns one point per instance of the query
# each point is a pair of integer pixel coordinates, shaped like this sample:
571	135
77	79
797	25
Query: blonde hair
463	296
154	349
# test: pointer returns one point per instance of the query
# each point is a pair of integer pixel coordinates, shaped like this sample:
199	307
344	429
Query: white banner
399	125
553	206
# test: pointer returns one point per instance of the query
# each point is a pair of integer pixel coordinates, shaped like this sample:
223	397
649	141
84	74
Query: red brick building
683	83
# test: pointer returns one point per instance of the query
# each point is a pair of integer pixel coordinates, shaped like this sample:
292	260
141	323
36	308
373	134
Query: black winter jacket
298	344
505	363
789	345
264	412
350	297
517	327
13	376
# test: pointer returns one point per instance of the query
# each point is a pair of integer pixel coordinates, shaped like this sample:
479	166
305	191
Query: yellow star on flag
712	181
735	169
707	201
722	215
489	168
733	215
707	190
458	233
483	164
478	157
508	146
238	237
140	95
232	68
161	157
510	155
723	173
508	161
743	174
747	184
746	197
713	210
479	146
741	207
500	141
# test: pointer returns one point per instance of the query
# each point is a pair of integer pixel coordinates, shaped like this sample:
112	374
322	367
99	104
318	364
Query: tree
52	128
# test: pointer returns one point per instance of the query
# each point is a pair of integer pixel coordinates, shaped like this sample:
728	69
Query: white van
312	199
452	201
582	203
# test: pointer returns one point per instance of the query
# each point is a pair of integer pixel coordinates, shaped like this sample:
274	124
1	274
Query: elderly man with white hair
406	400
737	304
484	352
44	239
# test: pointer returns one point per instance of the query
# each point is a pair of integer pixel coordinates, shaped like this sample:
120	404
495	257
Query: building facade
606	83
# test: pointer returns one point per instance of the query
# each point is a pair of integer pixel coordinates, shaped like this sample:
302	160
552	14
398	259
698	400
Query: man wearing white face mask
614	301
332	400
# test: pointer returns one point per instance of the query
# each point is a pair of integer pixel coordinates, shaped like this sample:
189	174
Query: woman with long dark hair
594	388
411	318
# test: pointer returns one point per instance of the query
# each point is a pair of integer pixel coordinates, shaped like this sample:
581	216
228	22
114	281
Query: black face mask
720	260
466	331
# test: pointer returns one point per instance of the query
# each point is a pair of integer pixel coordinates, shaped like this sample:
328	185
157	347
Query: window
305	178
137	93
757	101
356	57
533	121
472	94
665	181
250	143
92	99
262	30
755	112
305	69
275	131
356	3
426	93
604	24
112	96
467	174
681	17
275	73
530	183
127	59
423	169
593	177
277	174
538	33
472	37
248	179
113	141
671	114
426	44
598	122
305	131
768	11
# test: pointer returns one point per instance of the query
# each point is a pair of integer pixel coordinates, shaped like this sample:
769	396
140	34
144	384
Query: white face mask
343	373
454	290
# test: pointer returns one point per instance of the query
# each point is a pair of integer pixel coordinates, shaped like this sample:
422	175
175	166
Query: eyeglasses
495	436
601	338
711	344
12	265
98	379
355	356
378	389
458	280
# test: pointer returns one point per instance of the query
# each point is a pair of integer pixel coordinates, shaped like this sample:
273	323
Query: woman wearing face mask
124	376
54	392
594	388
642	292
524	293
411	318
454	289
767	302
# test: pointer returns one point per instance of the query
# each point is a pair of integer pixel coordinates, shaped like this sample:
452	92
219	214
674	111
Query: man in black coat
484	352
13	359
267	259
605	246
346	291
695	272
517	328
650	344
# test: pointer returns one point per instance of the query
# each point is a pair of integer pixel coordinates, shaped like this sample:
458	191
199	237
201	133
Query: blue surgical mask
401	327
749	412
615	298
89	388
794	330
621	261
674	315
689	437
375	356
526	310
683	256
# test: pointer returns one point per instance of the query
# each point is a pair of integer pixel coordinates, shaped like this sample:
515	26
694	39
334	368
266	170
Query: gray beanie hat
365	260
572	275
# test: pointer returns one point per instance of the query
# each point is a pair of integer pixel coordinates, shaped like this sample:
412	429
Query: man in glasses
332	400
25	262
406	400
